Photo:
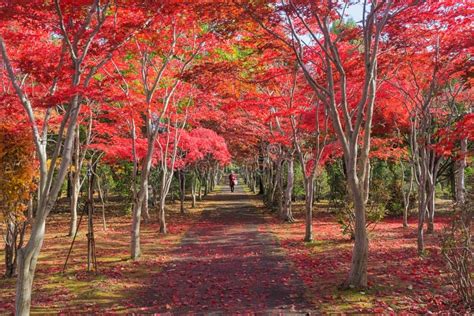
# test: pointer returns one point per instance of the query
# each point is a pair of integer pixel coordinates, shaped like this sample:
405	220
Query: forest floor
231	255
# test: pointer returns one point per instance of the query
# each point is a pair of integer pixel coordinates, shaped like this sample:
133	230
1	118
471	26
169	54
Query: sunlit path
227	262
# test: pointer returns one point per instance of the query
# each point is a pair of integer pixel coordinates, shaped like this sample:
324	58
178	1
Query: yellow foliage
17	172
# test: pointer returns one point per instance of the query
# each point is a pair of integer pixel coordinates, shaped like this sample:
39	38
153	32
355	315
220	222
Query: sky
355	11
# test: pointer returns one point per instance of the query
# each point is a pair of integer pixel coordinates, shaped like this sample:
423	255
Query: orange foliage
18	172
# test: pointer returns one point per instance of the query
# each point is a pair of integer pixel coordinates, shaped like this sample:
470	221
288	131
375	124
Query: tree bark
138	203
309	183
430	207
193	191
182	189
75	183
254	182
212	179
406	194
162	216
199	189
145	207
27	259
358	273
75	190
287	214
10	248
460	185
422	204
206	184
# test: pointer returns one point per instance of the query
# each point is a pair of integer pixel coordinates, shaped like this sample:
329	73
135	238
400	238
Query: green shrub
346	217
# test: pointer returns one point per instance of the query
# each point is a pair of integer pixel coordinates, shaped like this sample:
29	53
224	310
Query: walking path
228	263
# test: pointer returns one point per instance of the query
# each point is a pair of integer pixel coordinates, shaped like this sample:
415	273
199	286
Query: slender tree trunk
27	259
138	203
145	208
212	175
254	182
193	191
210	180
460	185
206	184
162	216
75	190
31	206
421	213
280	195
431	189
247	175
430	208
309	183
317	191
10	247
167	178
75	183
287	214
200	189
275	195
406	194
261	186
406	206
358	273
136	221
182	189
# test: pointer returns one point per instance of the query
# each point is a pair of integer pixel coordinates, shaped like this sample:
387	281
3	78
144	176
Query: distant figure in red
232	181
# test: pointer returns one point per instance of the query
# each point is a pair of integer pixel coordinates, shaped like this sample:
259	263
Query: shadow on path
227	263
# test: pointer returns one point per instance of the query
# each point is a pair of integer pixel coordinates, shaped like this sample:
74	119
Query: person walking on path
232	181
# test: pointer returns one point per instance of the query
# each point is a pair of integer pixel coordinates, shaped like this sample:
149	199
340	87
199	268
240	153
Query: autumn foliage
349	106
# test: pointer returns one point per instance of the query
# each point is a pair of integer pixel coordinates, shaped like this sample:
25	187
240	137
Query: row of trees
395	84
98	82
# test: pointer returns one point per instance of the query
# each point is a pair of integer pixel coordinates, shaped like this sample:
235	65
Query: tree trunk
206	184
287	213
421	215
10	247
261	187
136	221
275	196
75	182
69	186
199	189
213	179
182	189
279	195
430	208
358	273
138	203
167	178
407	195
75	191
309	183
145	208
193	192
161	215
254	182
460	185
31	206
405	215
27	259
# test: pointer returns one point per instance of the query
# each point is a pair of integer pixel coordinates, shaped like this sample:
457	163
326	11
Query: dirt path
228	263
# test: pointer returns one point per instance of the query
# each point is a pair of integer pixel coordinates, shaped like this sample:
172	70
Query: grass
119	281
